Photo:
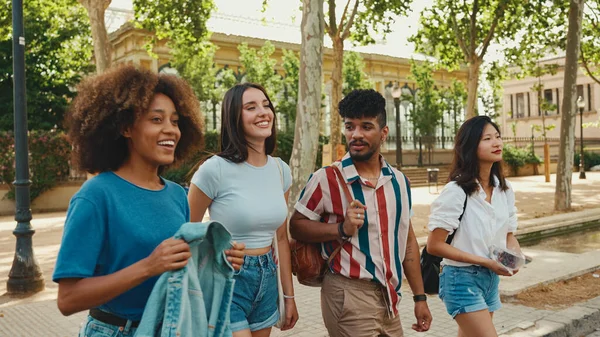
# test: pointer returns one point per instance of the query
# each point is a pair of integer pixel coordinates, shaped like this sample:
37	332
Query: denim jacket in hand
194	300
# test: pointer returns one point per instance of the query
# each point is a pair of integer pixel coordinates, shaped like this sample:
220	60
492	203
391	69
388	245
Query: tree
562	195
590	40
57	54
544	107
457	33
353	75
373	16
306	135
287	101
259	68
428	110
102	46
208	80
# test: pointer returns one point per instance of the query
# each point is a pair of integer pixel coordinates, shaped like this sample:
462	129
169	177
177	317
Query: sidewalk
38	315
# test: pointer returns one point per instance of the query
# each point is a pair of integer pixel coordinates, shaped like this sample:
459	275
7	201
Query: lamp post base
582	174
25	276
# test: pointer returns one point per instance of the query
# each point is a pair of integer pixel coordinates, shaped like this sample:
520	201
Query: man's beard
365	156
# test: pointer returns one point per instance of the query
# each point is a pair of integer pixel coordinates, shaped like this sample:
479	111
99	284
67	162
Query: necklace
370	178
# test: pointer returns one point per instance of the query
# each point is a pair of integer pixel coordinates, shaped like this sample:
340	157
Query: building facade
522	111
384	71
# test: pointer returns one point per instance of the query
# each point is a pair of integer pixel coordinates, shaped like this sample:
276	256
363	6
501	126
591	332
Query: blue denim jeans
94	328
254	303
469	289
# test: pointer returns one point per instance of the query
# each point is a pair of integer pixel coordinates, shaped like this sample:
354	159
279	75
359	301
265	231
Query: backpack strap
342	182
451	236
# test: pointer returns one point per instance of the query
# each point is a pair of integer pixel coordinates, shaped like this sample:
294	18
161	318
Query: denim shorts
469	289
94	328
255	294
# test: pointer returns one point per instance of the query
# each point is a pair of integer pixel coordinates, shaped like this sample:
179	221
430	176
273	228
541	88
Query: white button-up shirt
483	224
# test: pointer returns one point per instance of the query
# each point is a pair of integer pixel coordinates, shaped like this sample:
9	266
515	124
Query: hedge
49	158
517	157
49	154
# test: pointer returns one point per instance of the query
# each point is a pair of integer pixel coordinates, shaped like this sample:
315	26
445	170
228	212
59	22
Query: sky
244	17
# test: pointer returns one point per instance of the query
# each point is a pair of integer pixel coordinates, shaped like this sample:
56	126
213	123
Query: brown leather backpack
307	263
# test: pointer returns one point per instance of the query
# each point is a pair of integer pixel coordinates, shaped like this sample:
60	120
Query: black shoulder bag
430	264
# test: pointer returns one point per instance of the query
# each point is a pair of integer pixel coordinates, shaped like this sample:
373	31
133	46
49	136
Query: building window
528	105
512	107
557	102
520	105
548	98
589	100
580	92
548	95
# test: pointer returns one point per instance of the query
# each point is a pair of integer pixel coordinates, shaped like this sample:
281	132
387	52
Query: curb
578	320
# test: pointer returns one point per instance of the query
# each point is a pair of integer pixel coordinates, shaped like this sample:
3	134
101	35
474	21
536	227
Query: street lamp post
25	275
581	105
396	93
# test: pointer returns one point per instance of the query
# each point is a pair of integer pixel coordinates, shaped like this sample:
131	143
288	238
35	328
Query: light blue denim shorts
94	328
255	295
469	289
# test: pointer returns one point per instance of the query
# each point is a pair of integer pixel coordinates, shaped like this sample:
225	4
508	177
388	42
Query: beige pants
356	308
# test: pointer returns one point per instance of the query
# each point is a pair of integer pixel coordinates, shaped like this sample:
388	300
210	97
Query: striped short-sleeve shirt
377	249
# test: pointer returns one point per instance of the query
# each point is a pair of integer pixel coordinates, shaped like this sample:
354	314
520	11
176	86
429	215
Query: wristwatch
419	298
341	231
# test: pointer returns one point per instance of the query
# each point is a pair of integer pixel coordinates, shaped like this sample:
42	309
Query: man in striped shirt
360	295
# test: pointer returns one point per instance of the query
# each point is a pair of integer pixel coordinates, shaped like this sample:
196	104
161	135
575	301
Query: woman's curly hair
108	104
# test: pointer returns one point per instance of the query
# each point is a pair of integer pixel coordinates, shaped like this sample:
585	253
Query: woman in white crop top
469	278
246	189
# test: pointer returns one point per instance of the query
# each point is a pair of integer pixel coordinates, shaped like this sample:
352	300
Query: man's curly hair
361	103
108	104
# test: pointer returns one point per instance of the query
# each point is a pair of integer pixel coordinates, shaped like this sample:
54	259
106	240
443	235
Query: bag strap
349	198
451	236
280	171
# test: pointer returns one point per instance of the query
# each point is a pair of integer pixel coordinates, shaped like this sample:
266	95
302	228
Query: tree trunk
336	94
308	115
102	47
564	172
473	85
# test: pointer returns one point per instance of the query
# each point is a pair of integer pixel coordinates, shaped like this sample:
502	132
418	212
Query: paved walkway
38	315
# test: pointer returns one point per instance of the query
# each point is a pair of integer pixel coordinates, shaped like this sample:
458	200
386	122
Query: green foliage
590	39
57	54
460	32
589	159
455	97
428	108
517	157
259	67
49	154
352	72
287	101
181	22
182	173
7	157
372	16
491	96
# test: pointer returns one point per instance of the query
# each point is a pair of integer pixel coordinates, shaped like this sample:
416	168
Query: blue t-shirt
112	224
248	200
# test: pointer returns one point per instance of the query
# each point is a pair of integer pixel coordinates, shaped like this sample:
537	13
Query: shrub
182	173
7	157
49	153
516	157
589	159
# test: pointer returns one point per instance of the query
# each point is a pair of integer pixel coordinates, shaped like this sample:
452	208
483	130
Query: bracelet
341	231
288	296
418	298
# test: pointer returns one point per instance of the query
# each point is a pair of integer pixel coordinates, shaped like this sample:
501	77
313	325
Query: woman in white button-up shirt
469	278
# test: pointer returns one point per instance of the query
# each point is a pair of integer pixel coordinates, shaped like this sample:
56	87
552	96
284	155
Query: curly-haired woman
479	205
127	125
242	188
